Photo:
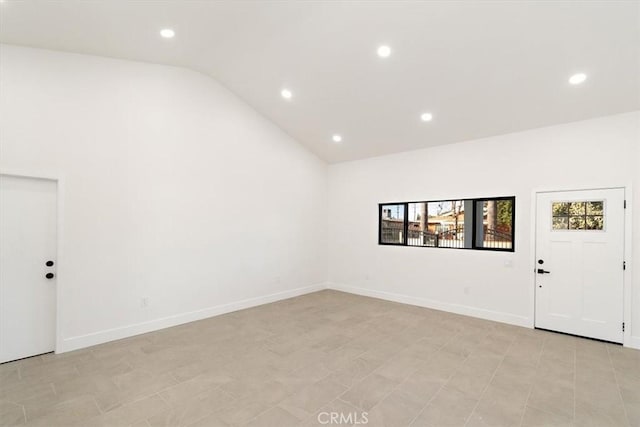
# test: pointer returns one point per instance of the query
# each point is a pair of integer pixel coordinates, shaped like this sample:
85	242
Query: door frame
627	274
59	180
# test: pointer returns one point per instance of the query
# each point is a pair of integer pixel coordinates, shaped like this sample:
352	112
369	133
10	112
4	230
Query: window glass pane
446	223
577	215
577	208
595	208
560	208
595	222
576	223
560	223
392	224
461	224
494	224
419	233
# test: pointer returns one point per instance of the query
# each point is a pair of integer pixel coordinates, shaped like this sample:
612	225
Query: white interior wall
589	154
635	255
173	190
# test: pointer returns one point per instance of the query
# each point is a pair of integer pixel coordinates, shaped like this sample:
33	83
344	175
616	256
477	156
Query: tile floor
305	360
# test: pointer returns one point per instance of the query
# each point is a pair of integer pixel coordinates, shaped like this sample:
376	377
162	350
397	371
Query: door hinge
624	265
622	326
625	204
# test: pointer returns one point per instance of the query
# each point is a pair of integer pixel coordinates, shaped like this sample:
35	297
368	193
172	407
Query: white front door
27	245
579	263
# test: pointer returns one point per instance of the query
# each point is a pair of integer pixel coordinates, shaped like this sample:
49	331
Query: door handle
49	275
541	271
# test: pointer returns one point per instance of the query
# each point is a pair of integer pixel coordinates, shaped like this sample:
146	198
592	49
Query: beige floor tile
497	410
396	410
212	420
498	395
470	382
308	400
9	372
556	371
551	397
331	343
240	411
356	370
184	411
107	366
301	354
633	413
40	405
50	371
591	413
73	412
422	349
273	392
482	361
441	365
536	418
339	413
179	393
91	384
399	368
134	412
595	369
447	408
497	344
340	357
603	394
303	377
143	379
274	417
562	352
368	392
421	387
303	358
11	414
460	346
26	391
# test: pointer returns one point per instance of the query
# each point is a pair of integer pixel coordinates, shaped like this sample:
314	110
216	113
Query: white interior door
27	244
579	262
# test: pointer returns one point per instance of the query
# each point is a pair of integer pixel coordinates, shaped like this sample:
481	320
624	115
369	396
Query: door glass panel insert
587	215
576	223
595	208
560	223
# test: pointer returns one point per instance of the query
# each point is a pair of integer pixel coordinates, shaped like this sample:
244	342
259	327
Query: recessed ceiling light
577	79
167	33
286	93
426	117
384	51
336	138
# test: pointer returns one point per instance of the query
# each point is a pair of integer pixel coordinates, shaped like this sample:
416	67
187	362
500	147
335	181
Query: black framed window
494	223
481	223
392	230
436	224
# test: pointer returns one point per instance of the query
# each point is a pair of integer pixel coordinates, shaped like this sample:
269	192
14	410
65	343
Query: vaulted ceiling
480	68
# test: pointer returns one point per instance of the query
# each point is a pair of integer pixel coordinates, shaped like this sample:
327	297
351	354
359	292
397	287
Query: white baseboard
88	340
634	342
496	316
